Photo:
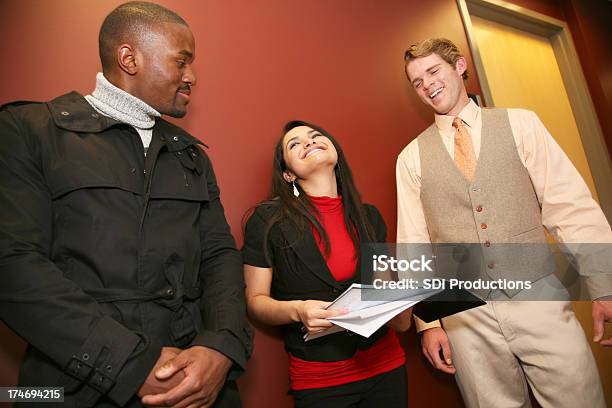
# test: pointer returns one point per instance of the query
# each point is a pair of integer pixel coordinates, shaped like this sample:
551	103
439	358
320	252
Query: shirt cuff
422	326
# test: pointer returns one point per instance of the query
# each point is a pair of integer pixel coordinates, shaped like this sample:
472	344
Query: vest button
487	243
491	265
483	225
479	208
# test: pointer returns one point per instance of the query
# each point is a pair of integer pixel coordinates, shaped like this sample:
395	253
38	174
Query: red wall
260	63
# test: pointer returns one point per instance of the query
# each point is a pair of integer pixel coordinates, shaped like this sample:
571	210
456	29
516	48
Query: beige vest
498	207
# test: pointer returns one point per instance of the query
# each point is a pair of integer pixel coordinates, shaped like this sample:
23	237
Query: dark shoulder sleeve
255	249
377	222
222	303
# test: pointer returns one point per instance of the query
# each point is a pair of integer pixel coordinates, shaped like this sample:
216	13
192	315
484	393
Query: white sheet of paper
367	326
364	317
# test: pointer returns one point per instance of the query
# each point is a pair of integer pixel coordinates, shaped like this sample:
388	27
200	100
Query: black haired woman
300	251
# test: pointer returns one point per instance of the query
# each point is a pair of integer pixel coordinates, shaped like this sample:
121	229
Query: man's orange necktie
465	158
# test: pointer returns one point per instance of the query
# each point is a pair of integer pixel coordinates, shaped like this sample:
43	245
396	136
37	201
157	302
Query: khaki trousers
502	346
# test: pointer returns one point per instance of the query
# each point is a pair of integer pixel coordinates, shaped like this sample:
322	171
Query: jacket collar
72	112
307	250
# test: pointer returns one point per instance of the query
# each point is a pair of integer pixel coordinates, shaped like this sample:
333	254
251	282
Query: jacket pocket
71	177
533	234
174	180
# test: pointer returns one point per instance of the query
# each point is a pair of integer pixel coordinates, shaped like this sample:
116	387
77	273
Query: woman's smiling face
306	150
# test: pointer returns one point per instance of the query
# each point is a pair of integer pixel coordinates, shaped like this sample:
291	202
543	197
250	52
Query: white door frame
558	32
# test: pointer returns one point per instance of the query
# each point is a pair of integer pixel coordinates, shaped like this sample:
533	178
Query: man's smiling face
438	83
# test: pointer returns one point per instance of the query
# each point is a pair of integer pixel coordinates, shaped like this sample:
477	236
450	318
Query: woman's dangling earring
296	192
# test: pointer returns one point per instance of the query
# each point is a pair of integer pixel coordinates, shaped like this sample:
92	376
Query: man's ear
126	59
461	66
288	176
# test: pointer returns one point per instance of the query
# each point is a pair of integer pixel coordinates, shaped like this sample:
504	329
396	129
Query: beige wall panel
523	73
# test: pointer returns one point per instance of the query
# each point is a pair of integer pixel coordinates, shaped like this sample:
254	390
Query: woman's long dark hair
299	210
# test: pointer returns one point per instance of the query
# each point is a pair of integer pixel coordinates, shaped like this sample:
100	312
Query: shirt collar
469	115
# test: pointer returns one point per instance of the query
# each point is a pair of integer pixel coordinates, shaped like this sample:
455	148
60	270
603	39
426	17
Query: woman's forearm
274	312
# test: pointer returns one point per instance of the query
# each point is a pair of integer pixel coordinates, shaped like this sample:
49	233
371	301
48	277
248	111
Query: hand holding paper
366	309
364	317
315	314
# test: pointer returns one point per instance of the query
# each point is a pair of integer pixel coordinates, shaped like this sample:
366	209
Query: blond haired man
496	176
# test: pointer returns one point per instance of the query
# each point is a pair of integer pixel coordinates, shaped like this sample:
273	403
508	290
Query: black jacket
300	273
106	256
